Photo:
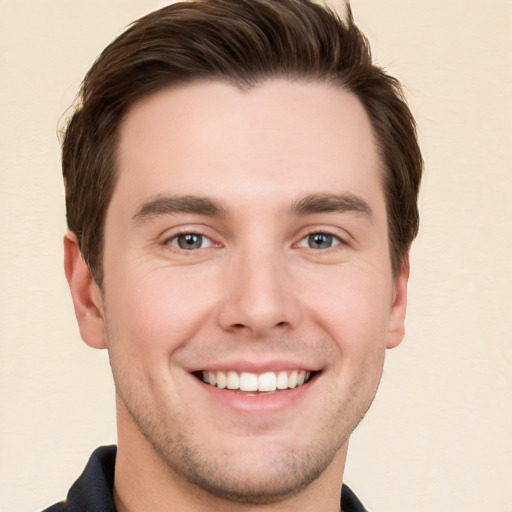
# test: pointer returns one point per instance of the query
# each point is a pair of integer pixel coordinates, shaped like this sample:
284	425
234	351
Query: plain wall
439	435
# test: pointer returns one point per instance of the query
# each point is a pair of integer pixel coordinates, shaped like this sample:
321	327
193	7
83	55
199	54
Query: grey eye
190	241
319	241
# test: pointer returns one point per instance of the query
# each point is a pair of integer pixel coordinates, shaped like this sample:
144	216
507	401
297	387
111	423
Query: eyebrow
168	205
307	205
335	203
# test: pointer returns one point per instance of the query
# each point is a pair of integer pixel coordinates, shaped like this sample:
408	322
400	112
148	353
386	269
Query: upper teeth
246	381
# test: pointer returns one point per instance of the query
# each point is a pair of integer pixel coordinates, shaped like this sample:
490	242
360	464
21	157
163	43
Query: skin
256	293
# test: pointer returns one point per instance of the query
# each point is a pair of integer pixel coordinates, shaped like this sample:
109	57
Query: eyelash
334	240
176	236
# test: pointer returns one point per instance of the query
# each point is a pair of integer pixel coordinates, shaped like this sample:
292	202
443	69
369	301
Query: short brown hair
243	42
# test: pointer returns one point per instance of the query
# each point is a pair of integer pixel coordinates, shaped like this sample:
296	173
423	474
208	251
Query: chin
249	477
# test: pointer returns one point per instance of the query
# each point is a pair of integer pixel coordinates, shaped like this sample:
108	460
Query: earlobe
86	295
396	330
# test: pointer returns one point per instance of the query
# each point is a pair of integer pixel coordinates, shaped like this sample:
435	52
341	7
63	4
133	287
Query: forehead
212	138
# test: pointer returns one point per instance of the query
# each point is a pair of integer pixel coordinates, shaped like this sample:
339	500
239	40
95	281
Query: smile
264	382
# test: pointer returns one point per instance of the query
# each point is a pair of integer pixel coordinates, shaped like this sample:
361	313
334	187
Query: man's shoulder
62	506
349	501
92	491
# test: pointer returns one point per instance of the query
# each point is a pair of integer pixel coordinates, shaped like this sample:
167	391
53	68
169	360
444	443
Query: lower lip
260	403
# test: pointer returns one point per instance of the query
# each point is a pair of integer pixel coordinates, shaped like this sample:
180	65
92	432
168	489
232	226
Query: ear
86	295
396	327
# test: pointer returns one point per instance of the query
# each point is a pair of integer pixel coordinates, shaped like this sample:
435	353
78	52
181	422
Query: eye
189	241
319	241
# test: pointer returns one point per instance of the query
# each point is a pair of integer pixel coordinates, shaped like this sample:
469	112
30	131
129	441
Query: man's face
246	243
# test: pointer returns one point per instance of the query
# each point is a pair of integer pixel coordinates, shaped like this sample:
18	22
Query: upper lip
255	366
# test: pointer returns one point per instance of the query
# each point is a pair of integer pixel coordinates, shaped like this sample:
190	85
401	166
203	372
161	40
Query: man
241	188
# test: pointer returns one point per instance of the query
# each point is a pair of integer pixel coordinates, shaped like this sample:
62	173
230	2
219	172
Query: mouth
247	382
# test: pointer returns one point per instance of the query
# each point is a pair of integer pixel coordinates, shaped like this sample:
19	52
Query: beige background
439	436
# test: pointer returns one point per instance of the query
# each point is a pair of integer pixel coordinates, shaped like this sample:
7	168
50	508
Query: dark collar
92	492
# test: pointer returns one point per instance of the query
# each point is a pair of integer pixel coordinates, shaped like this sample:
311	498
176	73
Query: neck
144	482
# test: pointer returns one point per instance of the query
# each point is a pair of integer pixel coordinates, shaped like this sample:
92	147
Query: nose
259	297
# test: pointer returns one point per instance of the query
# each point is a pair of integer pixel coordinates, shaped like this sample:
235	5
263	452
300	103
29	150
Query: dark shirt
92	492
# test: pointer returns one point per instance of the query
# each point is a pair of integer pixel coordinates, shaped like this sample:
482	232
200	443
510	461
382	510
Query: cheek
154	309
353	306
